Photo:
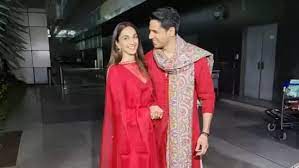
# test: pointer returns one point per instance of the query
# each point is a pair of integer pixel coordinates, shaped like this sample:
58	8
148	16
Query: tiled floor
62	129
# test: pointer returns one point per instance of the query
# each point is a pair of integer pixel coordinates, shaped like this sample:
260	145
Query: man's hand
202	142
202	145
156	112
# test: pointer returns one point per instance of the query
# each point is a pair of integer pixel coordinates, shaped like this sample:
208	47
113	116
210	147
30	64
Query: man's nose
150	36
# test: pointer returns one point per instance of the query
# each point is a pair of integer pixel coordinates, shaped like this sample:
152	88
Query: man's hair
168	16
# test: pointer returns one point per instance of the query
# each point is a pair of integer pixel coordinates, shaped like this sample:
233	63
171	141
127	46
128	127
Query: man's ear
171	31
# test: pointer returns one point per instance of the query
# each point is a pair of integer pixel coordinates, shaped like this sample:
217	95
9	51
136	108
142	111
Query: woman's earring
118	49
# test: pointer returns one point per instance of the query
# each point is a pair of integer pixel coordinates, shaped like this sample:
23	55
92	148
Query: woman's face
128	41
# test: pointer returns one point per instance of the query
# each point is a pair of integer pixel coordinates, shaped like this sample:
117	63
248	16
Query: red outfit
203	90
128	136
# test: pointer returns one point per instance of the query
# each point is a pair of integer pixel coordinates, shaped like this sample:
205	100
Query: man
181	74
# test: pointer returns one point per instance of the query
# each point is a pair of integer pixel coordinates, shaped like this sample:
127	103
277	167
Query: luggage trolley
288	115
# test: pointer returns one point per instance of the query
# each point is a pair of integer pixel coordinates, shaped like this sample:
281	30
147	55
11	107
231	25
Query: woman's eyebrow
128	35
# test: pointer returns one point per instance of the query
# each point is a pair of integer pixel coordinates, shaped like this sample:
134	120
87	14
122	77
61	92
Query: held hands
156	112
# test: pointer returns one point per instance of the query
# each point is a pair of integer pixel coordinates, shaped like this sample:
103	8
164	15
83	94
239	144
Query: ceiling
194	12
34	3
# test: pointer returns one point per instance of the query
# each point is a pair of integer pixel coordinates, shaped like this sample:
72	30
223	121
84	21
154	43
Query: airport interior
54	57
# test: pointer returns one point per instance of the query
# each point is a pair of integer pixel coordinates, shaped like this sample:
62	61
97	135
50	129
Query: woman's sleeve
112	105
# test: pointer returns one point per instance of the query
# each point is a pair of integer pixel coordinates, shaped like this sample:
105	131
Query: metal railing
63	71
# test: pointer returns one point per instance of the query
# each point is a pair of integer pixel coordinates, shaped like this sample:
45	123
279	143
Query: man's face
159	36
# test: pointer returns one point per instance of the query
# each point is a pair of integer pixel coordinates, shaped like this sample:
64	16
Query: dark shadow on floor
215	159
73	104
9	148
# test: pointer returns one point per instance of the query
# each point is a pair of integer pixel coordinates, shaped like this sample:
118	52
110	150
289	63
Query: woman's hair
116	55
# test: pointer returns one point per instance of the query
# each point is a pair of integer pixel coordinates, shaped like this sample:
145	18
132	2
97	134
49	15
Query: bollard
61	76
49	76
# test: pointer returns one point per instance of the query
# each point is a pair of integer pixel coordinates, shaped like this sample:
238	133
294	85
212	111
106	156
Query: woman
128	140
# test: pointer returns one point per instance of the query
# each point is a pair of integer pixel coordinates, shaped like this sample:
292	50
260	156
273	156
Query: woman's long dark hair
116	56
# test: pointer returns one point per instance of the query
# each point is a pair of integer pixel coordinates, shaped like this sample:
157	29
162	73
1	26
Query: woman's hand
156	112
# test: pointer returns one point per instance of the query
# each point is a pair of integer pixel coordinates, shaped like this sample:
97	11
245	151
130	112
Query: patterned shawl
180	69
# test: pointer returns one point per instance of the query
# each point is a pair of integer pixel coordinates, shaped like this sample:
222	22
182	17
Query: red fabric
128	140
204	90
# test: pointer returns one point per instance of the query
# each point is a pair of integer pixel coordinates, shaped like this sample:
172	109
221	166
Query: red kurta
128	137
203	90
